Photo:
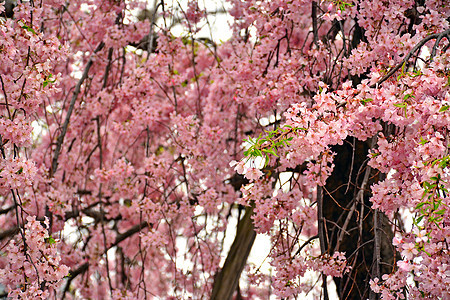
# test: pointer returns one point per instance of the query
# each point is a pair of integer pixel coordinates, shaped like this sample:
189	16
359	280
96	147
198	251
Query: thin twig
305	244
377	251
323	242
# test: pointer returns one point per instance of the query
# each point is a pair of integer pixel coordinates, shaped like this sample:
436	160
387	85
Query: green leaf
407	96
365	101
50	240
28	29
48	80
440	212
278	144
444	108
423	141
415	73
401	105
420	205
271	151
435	206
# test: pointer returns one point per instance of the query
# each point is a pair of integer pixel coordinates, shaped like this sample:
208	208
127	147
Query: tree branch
120	238
7	210
314	24
437	36
9	232
321	229
77	90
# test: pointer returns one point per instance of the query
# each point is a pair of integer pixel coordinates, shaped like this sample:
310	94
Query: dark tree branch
123	236
437	36
377	251
60	140
9	232
445	34
323	242
7	210
120	238
314	24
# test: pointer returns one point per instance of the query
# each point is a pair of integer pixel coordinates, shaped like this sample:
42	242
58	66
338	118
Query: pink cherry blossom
253	173
122	128
239	166
409	250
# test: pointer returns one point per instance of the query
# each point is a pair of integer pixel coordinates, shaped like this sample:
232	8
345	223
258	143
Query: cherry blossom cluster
423	261
33	268
413	101
290	278
116	136
31	263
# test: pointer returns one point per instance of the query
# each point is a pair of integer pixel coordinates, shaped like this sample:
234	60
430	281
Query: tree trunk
227	280
349	221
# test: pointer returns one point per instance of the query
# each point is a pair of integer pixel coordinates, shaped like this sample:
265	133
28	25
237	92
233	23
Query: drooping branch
306	244
437	36
76	92
438	40
323	241
123	236
377	250
120	238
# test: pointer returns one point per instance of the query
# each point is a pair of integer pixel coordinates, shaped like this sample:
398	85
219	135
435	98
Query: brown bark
349	220
227	280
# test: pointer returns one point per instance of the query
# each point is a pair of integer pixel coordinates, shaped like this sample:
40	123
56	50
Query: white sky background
218	26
